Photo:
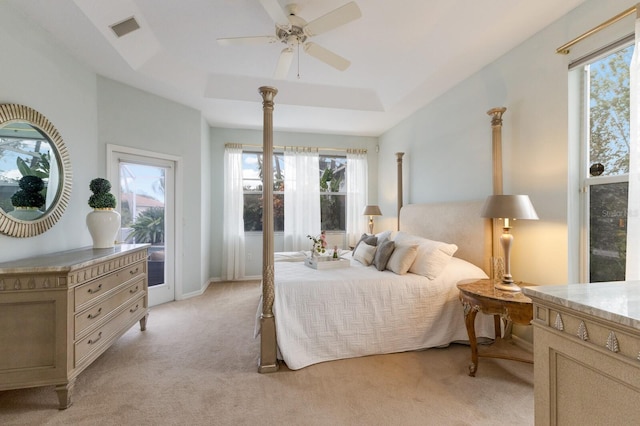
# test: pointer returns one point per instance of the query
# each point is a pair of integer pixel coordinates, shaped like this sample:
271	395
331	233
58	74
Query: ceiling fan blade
337	17
276	12
327	56
247	41
284	63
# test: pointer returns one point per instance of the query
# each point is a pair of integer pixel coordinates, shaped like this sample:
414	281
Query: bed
289	295
325	315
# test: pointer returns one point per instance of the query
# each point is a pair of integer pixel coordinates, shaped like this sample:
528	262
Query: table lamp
371	211
508	207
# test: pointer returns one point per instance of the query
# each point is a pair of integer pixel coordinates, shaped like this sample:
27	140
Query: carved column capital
268	93
496	115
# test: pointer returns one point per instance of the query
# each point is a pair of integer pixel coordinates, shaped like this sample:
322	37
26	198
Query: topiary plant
29	193
101	198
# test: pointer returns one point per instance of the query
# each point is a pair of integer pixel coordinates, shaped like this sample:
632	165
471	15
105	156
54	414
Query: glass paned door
145	195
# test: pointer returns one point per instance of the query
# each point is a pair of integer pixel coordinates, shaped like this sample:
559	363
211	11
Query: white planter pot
103	226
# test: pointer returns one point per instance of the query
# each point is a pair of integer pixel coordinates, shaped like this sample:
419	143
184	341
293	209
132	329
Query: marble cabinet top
614	301
66	260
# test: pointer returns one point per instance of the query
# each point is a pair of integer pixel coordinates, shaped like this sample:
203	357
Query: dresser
61	311
586	353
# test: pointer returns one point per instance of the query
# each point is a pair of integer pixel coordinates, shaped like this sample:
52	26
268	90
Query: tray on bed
326	263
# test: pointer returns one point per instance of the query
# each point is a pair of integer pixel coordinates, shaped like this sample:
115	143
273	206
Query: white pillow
364	253
432	256
402	258
403	237
458	270
384	235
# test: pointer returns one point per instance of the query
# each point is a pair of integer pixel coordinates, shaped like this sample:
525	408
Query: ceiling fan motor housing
294	36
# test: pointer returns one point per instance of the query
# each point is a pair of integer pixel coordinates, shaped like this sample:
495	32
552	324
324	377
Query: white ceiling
403	54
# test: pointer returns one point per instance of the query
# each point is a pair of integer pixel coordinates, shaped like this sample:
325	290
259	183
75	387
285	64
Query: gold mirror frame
20	228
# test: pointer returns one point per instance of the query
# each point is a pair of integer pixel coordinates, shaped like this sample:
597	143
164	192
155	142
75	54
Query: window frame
322	155
585	180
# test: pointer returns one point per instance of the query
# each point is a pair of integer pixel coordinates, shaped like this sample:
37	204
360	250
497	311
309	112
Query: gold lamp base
507	284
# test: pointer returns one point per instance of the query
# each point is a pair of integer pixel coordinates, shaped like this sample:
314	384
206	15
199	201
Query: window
332	191
606	159
252	186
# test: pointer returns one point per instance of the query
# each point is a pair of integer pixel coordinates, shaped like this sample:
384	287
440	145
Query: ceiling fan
293	31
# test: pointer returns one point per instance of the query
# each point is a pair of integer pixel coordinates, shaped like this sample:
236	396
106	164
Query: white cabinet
586	353
59	312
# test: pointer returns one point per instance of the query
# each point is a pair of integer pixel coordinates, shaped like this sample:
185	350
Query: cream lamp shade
508	207
371	211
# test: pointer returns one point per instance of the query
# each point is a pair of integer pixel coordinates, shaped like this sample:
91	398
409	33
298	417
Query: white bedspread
324	315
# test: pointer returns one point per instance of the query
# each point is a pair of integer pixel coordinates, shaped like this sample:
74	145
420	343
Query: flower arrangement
319	243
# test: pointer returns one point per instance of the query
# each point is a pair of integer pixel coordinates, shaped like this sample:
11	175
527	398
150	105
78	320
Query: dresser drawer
89	291
103	336
97	313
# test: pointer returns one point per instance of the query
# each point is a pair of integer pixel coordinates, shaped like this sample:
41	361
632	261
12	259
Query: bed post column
496	142
268	355
399	161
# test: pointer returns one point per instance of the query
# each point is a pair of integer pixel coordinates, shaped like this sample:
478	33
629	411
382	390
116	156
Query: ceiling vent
125	27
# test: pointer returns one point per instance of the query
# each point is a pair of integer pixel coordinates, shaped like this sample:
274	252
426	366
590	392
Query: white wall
36	73
137	119
220	136
448	142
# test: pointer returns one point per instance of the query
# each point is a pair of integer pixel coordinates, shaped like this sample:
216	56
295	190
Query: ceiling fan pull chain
298	61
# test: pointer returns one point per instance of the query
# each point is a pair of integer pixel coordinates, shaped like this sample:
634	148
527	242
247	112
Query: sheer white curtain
301	197
357	187
633	217
233	229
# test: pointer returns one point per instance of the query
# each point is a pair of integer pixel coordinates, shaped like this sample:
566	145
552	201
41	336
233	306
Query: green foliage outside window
332	200
148	227
609	112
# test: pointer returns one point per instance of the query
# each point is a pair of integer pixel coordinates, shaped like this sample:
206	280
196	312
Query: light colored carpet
197	365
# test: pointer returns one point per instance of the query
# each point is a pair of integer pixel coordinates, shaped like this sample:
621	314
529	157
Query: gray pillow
383	253
372	240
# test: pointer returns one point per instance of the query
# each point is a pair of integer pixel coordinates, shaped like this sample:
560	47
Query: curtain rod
355	150
564	49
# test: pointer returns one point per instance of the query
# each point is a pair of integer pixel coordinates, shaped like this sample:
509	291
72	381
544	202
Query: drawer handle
134	272
132	310
133	290
92	341
94	291
92	316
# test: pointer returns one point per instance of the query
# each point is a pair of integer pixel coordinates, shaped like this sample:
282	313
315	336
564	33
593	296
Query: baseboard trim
524	344
195	293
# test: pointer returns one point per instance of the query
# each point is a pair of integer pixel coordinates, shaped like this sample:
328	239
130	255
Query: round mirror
35	172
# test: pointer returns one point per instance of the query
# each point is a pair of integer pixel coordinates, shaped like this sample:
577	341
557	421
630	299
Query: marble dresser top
614	301
66	260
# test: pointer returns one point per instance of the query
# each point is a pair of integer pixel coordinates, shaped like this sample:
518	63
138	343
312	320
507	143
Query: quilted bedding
324	315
